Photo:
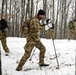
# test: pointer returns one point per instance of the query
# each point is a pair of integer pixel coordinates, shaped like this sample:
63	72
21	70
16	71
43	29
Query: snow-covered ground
65	52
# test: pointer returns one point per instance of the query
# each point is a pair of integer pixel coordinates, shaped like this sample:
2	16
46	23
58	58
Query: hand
51	25
46	22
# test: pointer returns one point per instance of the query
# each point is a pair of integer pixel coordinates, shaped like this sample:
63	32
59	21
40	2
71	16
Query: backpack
3	24
25	27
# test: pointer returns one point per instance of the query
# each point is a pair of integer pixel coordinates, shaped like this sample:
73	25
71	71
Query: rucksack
25	27
3	24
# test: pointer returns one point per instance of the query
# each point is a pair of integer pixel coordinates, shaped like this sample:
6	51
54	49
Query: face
41	17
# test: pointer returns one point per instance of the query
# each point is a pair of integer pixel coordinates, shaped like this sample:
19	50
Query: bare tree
75	9
56	23
0	45
22	10
0	62
37	6
27	9
19	10
3	1
53	12
32	8
45	7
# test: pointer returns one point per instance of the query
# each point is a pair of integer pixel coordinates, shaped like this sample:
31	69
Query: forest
60	12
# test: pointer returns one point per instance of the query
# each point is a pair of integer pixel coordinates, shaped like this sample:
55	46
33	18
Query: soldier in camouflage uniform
50	34
34	40
3	30
72	29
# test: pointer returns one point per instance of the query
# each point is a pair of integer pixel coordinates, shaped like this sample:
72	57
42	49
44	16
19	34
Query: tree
0	45
0	62
56	21
32	8
2	8
59	12
75	9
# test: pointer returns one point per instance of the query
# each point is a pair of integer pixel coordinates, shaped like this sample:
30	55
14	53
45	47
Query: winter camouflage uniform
72	31
33	40
3	41
3	31
50	33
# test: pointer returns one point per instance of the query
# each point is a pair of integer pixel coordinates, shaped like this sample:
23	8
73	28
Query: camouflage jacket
34	26
74	24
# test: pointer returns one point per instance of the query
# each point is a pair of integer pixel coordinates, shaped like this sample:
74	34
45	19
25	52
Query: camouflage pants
28	49
50	34
3	41
72	33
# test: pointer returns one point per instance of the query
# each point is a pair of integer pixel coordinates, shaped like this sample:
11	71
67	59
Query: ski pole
32	54
56	55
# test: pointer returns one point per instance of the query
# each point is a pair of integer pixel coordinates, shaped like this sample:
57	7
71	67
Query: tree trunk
9	20
28	9
36	6
56	23
45	6
65	19
32	7
61	20
2	12
0	62
53	12
75	9
6	11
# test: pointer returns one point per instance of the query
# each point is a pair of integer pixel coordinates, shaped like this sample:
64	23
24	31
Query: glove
52	26
46	27
49	26
46	22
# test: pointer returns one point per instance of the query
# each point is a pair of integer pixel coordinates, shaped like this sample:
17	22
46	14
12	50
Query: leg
42	49
48	34
28	49
6	49
70	34
52	34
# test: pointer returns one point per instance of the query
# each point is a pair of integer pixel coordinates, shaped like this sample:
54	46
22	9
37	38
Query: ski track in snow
65	51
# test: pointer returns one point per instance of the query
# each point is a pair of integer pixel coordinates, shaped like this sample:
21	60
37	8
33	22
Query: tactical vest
3	24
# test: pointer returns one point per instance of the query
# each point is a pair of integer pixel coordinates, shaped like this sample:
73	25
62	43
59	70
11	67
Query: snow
65	51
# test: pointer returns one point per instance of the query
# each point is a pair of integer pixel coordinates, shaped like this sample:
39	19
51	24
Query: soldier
34	40
72	29
3	31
